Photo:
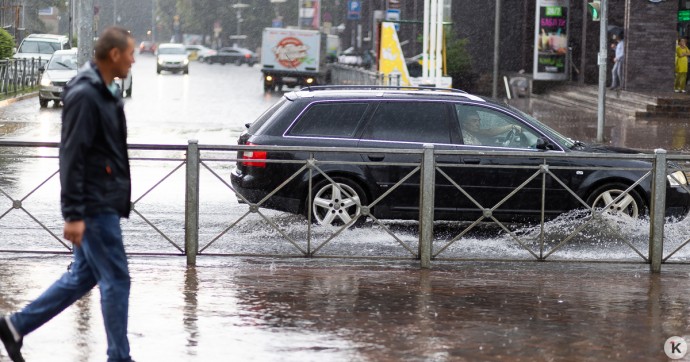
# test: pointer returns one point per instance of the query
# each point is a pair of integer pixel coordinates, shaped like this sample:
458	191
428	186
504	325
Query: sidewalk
264	309
622	130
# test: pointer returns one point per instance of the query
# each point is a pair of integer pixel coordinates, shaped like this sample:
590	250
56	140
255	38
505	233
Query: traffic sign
354	9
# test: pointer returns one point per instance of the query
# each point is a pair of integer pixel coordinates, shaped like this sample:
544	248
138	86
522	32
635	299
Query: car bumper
172	66
53	93
254	191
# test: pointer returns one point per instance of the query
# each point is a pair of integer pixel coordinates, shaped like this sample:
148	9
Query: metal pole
70	16
426	207
583	44
497	42
85	31
657	212
153	21
191	214
603	50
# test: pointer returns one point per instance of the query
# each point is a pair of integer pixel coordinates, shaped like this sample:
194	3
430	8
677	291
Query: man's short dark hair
112	37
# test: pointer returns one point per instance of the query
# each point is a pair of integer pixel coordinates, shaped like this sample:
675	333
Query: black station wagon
406	119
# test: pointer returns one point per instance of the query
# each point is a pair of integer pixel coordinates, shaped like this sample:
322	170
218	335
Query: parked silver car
61	68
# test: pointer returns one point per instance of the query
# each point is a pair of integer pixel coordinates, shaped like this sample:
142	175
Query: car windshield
171	51
563	140
42	47
63	62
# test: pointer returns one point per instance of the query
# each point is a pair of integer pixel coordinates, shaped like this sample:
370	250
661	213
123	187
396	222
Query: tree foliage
6	44
459	63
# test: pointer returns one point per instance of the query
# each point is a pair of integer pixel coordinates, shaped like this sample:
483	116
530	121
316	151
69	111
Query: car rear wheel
334	206
630	204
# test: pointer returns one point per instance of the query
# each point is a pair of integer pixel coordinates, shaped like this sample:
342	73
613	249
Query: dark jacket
94	165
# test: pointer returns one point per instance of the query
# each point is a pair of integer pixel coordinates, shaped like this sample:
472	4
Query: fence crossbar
158	230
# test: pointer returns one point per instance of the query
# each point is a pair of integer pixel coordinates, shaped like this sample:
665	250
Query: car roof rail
380	87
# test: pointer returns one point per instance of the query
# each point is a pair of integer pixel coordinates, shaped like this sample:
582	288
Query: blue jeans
100	259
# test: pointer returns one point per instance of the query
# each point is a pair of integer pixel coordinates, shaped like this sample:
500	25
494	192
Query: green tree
6	44
459	64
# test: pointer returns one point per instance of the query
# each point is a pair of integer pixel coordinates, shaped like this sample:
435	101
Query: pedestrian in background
96	191
682	53
617	71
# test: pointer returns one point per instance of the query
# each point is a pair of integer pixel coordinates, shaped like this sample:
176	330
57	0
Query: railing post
191	210
657	211
426	206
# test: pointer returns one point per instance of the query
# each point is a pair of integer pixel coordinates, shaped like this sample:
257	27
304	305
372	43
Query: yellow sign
391	60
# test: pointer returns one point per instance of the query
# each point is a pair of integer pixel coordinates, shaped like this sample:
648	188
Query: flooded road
263	309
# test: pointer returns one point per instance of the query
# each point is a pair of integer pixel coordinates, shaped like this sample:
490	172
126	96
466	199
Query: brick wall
650	45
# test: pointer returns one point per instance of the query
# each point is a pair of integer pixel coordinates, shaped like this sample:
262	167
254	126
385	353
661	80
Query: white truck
292	57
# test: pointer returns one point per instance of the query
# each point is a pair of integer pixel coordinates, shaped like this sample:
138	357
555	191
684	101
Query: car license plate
289	79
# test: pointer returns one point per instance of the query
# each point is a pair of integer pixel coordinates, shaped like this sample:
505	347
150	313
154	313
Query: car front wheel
630	204
337	205
43	102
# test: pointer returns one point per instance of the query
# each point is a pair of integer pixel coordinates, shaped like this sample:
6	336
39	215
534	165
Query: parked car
61	68
199	52
147	47
172	57
237	56
404	119
41	46
363	58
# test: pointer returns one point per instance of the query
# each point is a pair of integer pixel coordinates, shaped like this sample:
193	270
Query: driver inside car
474	134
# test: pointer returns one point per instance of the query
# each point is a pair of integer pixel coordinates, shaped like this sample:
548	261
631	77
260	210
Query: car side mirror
543	144
41	69
247	125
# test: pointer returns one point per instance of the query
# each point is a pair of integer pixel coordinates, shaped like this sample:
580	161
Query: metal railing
349	75
19	75
427	173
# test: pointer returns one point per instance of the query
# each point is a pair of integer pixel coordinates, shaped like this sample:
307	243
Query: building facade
651	28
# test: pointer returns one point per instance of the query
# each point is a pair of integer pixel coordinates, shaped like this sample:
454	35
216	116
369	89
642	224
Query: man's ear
114	54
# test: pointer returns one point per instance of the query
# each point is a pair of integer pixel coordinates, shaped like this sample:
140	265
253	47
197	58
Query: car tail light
247	56
254	156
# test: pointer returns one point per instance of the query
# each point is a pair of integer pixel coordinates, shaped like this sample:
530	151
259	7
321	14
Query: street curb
22	97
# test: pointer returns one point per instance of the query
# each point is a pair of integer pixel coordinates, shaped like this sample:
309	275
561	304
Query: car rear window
256	125
330	120
410	122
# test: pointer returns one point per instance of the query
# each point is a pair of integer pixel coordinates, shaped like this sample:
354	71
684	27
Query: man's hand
74	231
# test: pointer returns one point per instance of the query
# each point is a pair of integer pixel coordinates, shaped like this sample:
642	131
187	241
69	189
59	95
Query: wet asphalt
265	309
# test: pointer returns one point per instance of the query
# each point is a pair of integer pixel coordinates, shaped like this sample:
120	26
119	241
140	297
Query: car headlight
185	61
160	61
45	81
677	178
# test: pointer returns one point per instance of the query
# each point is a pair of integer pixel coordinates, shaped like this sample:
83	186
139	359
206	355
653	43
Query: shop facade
651	28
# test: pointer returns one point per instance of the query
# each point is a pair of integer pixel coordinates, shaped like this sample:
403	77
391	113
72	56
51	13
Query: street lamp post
239	7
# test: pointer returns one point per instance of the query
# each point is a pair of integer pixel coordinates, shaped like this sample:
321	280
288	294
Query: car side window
482	126
330	120
423	122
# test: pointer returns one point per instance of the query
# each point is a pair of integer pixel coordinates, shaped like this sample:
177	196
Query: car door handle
376	156
471	161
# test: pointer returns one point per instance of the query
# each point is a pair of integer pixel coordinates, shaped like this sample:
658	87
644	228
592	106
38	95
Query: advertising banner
551	40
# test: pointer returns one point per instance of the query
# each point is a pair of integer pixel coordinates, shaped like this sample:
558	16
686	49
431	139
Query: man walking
96	190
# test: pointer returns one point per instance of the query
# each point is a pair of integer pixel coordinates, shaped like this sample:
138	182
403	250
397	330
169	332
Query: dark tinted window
330	120
254	127
410	122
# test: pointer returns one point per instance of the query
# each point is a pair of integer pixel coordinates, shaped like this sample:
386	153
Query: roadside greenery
459	64
6	44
